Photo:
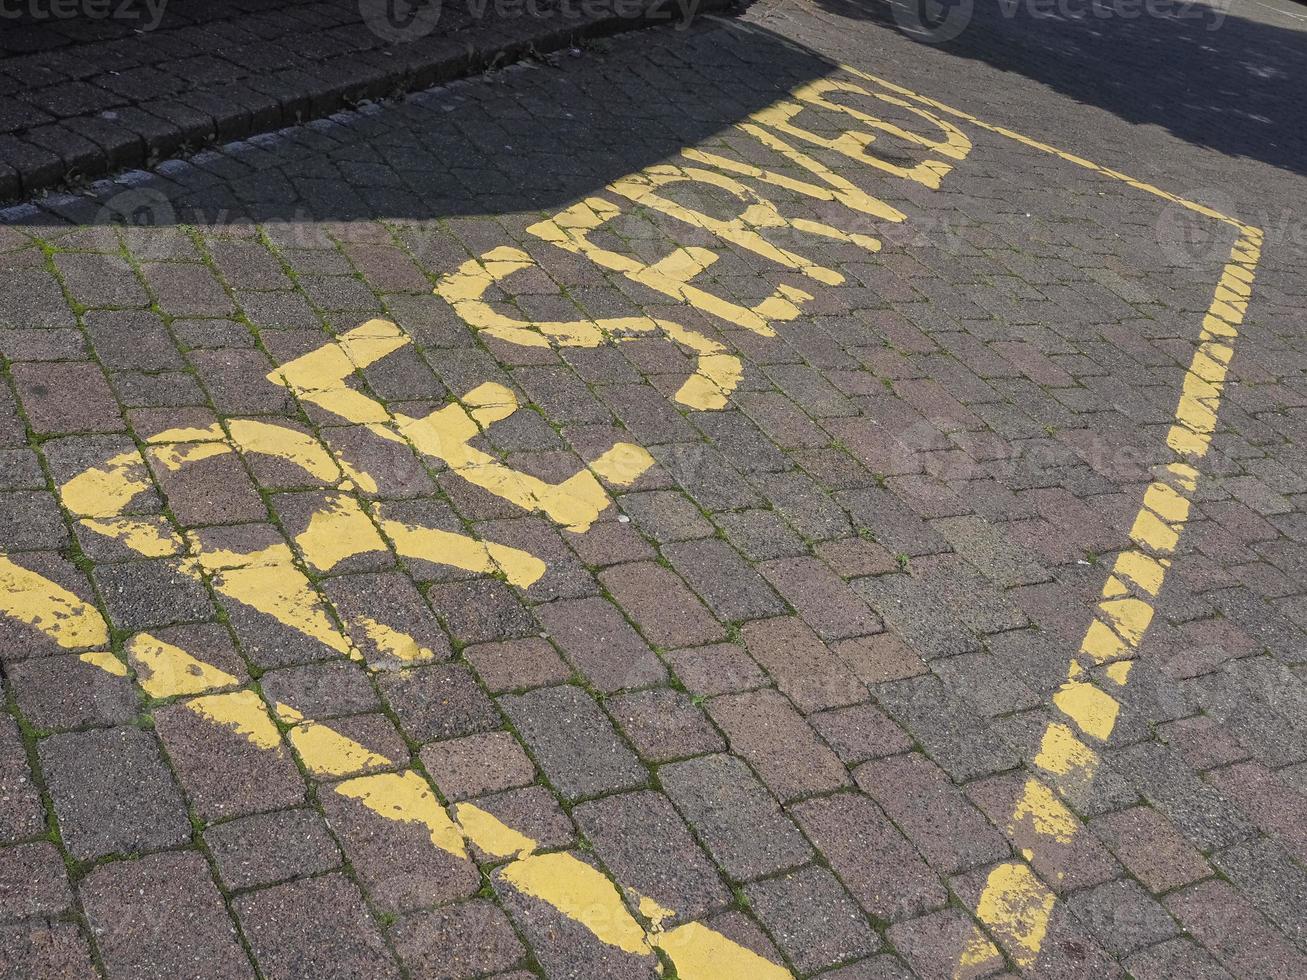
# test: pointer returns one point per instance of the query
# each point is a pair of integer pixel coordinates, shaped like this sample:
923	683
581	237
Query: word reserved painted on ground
836	115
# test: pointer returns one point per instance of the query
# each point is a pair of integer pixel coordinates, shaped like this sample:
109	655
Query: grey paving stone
877	864
465	940
664	724
950	832
33	881
763	728
601	643
438	701
642	840
314	927
573	741
1122	916
732	589
735	817
267	848
112	792
57	949
814	920
957	738
162	916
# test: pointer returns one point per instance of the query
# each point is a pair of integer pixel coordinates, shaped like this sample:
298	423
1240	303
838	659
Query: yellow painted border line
1015	904
574	888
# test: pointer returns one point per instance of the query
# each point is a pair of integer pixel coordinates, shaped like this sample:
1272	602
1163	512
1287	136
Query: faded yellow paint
405	797
655	914
106	490
1146	572
1017	906
319	377
1119	672
329	754
448	548
298	448
623	464
150	536
241	711
854	143
1092	709
1150	531
1062	755
671	277
837	188
447	433
338	531
164	670
699	953
287	714
1041	812
221	559
491	834
582	894
283	592
716	373
1101	643
444	434
1165	509
49	607
106	661
393	643
1184	440
99	496
1129	617
175	455
979	957
742	230
1166	503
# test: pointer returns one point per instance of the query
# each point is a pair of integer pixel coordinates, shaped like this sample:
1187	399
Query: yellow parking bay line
1015	904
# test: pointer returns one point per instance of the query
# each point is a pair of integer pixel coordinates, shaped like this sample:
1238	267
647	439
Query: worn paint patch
329	754
491	834
1092	709
699	953
106	661
337	531
164	670
283	592
1017	907
1040	812
406	798
581	893
1062	755
241	711
392	643
106	490
47	606
521	568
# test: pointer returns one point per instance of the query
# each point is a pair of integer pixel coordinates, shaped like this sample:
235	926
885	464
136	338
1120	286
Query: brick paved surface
616	518
100	86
